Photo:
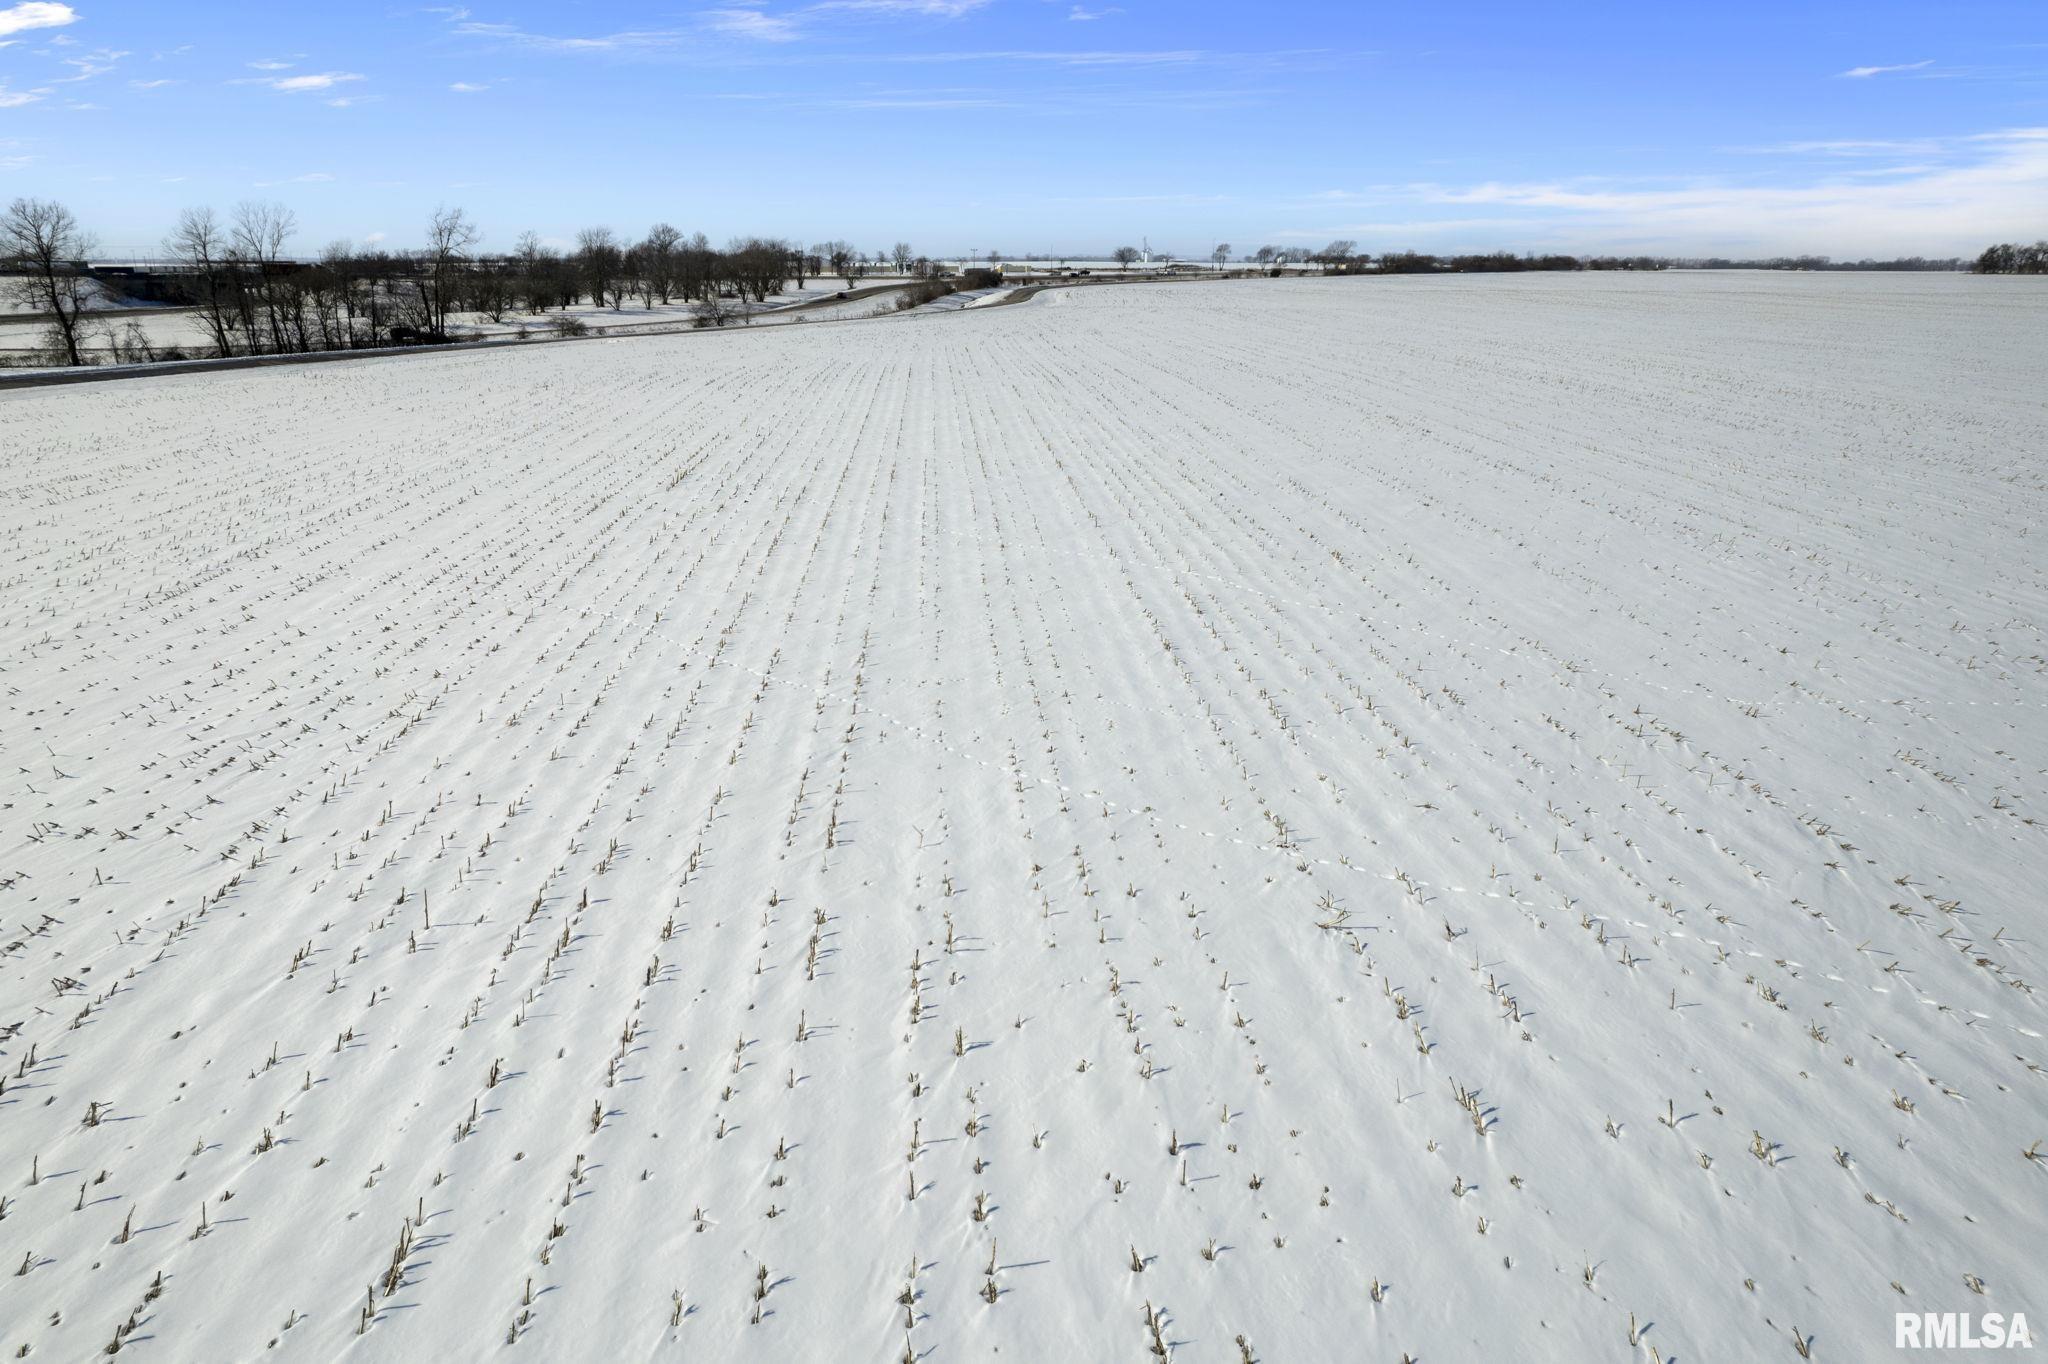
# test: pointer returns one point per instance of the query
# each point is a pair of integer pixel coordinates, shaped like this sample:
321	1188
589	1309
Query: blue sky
1033	125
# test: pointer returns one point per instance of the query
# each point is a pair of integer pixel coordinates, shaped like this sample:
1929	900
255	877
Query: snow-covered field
1473	818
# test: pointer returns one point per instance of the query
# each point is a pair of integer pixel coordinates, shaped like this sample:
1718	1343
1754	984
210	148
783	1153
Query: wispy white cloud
1174	57
1848	146
14	99
324	80
468	87
1406	233
746	19
157	84
1857	73
35	14
939	9
922	102
1094	102
632	41
271	64
1992	190
752	23
93	64
1184	200
1080	15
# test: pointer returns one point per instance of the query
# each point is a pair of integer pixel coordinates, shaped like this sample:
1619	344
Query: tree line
255	301
1343	257
1900	263
2012	258
253	297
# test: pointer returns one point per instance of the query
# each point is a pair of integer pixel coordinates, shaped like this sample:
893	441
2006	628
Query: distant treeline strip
252	298
1338	258
2011	258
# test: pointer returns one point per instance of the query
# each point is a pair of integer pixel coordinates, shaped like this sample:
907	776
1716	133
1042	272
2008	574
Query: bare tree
597	253
534	263
492	284
757	266
1337	255
43	238
375	275
658	261
839	256
199	244
352	301
451	236
1126	256
903	256
715	309
257	246
1220	255
639	276
699	267
2013	258
129	344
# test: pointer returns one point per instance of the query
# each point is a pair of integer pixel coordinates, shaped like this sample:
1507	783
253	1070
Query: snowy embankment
964	298
1474	818
93	296
635	315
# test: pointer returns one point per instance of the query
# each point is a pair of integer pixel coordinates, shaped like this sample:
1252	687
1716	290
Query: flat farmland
1466	818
